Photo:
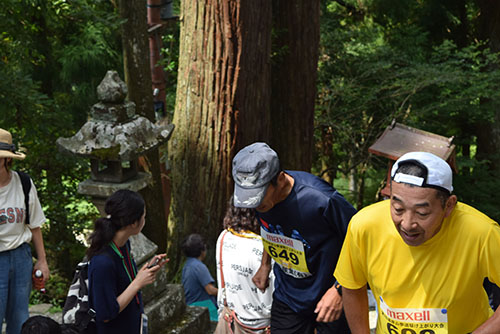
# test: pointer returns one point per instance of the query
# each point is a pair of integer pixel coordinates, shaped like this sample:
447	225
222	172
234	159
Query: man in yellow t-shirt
423	254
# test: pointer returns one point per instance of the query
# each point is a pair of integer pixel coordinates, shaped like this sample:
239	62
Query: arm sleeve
351	266
203	275
491	253
339	212
37	217
103	288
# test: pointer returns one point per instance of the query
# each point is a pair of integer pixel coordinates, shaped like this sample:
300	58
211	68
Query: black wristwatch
338	287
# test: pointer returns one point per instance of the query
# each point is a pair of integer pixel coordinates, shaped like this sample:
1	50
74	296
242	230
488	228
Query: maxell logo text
415	316
280	240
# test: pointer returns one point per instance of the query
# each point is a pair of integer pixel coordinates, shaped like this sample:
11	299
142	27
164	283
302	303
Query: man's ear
450	205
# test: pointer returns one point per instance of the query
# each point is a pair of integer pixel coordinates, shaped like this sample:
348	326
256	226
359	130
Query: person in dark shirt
114	281
303	224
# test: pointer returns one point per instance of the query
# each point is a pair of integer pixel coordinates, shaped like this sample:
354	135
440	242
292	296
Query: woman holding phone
114	280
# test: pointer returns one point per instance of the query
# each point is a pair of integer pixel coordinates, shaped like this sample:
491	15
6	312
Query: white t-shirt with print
13	230
241	258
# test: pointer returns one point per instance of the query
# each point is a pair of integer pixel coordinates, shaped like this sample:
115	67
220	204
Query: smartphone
153	263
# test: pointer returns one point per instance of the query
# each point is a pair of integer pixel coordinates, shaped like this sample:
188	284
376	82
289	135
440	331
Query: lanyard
131	272
248	235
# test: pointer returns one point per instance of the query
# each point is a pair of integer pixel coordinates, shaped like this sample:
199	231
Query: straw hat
7	149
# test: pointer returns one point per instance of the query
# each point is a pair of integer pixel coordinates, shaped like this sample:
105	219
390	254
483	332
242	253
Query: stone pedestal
100	191
164	303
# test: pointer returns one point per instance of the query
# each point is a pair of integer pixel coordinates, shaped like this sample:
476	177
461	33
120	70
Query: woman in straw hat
15	253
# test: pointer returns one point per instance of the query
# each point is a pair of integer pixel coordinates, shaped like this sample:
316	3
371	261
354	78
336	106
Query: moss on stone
110	153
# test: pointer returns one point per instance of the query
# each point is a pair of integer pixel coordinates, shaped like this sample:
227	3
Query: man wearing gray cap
424	255
303	224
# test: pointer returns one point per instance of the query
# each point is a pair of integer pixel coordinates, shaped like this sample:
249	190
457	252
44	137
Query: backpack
77	310
26	183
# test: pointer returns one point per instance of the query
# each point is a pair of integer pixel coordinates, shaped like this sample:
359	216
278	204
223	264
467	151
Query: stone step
196	320
165	308
152	291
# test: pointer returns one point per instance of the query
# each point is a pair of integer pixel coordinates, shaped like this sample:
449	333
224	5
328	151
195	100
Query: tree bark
294	72
222	104
138	79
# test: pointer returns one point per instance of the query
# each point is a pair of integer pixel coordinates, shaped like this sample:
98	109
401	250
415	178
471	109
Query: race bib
287	252
412	320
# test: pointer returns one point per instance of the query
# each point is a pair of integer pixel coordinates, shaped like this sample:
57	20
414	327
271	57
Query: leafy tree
53	55
379	65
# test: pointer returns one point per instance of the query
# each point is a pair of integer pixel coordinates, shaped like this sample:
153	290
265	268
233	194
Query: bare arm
356	310
261	277
492	325
41	262
211	289
329	307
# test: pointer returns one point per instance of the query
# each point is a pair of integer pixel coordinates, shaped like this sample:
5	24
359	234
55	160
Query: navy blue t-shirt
195	276
315	213
107	280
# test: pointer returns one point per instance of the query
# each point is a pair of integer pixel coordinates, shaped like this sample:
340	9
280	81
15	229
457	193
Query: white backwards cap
439	174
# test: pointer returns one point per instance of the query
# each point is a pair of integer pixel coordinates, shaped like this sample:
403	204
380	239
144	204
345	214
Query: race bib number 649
412	320
287	252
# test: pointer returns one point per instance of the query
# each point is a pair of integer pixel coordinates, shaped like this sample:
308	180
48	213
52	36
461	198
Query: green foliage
478	188
382	60
54	54
56	290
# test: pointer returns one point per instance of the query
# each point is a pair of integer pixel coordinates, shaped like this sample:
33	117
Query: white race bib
412	320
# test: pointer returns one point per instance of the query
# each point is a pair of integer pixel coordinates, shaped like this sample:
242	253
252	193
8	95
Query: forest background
431	64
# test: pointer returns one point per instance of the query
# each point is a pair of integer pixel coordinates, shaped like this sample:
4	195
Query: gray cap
253	168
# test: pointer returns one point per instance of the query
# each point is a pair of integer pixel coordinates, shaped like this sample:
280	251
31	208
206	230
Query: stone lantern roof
114	132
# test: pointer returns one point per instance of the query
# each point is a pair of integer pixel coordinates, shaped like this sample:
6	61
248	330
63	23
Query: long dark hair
240	219
123	208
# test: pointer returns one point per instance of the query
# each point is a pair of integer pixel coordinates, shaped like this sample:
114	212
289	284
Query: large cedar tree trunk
294	68
138	79
222	104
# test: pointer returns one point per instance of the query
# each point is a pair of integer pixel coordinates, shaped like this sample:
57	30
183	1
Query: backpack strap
26	183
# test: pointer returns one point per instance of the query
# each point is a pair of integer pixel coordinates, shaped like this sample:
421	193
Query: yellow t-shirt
436	287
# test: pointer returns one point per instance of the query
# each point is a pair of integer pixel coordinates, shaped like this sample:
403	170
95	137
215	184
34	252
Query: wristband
338	287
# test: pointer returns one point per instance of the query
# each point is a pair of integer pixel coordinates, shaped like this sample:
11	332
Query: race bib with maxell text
412	320
287	252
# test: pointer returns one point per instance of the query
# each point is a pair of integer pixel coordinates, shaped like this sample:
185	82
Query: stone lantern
113	139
